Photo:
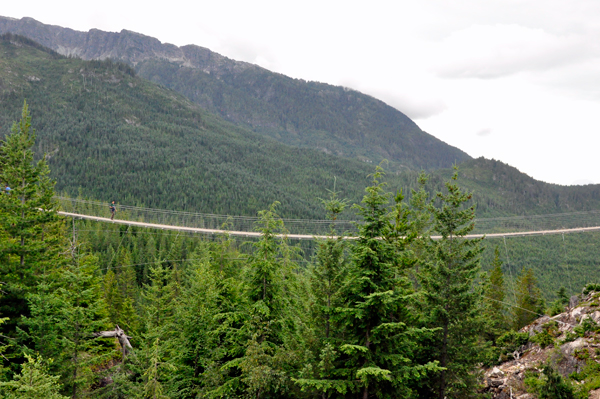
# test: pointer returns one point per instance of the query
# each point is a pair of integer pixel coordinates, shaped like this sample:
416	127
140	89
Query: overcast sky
514	80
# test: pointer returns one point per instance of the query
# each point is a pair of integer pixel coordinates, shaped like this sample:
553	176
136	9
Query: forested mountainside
95	310
115	135
501	189
332	119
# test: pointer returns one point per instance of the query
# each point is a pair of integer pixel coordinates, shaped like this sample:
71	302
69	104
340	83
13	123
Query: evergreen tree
530	304
272	321
30	229
554	387
451	300
328	275
34	382
493	299
121	293
376	351
153	388
210	318
65	312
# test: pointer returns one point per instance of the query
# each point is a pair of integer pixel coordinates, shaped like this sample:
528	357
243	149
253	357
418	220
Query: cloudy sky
514	80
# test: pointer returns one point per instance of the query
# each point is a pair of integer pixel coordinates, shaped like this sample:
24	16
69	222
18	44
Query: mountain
332	119
502	189
116	135
109	134
112	135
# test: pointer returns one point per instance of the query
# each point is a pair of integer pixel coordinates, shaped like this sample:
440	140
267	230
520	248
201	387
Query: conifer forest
404	305
98	310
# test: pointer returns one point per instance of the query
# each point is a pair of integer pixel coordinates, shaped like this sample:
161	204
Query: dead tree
118	333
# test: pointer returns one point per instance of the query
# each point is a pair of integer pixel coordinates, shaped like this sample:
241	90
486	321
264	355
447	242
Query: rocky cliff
569	342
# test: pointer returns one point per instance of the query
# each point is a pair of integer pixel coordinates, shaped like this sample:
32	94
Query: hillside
501	189
568	342
113	135
332	119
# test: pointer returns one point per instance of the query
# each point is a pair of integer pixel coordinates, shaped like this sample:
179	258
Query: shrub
543	339
591	288
509	342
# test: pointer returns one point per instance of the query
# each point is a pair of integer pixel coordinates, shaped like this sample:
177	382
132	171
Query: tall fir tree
34	382
328	275
66	310
30	227
272	322
530	304
451	300
493	299
376	353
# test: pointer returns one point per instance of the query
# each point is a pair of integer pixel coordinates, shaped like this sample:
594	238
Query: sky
513	80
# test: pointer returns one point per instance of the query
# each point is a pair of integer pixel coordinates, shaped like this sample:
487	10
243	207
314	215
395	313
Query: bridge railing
315	227
197	220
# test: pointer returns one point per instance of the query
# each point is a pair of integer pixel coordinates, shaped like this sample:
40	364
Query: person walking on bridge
113	209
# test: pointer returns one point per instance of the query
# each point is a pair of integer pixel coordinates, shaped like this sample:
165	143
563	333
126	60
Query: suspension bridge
308	229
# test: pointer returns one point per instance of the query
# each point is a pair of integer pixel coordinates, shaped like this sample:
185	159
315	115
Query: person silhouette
113	209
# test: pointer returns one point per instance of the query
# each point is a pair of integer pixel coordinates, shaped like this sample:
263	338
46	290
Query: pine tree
450	297
30	228
328	275
493	299
530	304
34	382
377	350
209	319
159	301
272	323
153	388
65	312
121	293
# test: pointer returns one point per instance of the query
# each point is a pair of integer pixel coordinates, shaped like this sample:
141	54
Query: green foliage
549	385
379	341
588	379
34	382
554	387
494	307
591	288
543	339
451	299
558	306
65	312
587	325
30	229
328	274
530	304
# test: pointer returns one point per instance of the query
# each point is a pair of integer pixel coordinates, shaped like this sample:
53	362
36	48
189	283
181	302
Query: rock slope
569	342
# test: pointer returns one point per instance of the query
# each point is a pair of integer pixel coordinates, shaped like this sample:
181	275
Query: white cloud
491	51
484	132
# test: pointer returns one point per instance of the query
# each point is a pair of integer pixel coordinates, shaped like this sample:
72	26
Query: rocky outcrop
574	343
126	46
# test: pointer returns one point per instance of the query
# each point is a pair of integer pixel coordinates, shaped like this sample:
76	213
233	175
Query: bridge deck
306	236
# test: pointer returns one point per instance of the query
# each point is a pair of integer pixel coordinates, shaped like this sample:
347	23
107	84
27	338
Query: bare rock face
571	350
595	394
127	46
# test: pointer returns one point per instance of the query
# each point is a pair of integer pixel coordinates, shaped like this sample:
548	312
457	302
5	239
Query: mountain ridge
329	118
